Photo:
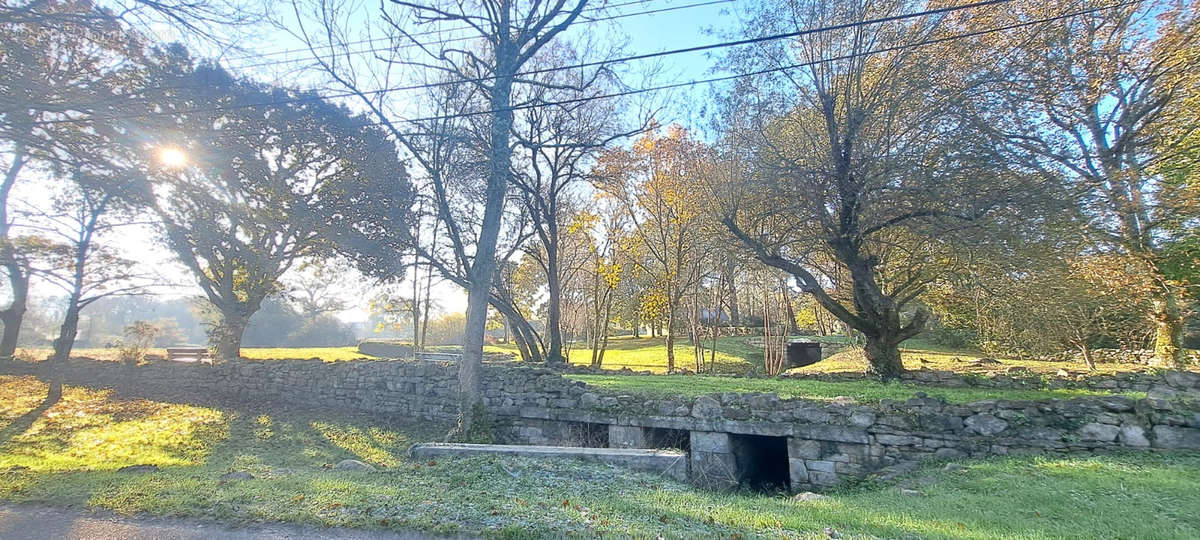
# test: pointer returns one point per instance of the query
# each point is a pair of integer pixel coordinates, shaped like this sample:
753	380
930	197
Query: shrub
138	338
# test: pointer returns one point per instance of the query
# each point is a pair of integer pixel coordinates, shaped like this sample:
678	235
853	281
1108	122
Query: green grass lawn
864	391
650	354
328	354
71	453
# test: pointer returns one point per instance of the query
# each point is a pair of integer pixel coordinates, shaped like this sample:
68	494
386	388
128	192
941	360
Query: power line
315	57
778	68
417	34
698	48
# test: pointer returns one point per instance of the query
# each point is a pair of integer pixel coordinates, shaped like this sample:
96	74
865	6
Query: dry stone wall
729	437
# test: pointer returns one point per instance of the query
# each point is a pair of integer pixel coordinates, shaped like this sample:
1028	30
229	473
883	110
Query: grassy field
328	354
734	356
650	354
862	391
71	455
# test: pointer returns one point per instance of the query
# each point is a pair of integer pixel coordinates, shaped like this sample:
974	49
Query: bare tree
859	157
557	144
503	36
80	263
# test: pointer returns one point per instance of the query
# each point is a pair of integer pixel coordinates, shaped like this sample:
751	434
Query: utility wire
725	44
418	34
779	68
774	69
314	57
590	20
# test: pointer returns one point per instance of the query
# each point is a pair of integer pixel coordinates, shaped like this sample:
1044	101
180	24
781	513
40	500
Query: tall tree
860	157
1090	97
80	263
556	145
508	35
249	178
62	60
655	184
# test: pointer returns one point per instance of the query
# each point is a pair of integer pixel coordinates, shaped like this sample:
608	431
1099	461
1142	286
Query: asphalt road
27	522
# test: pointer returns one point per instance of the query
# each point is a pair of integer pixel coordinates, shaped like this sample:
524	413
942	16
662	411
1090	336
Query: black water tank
803	353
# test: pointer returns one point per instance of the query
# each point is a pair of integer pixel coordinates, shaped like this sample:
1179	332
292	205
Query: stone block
713	470
849	469
1096	431
817	465
862	418
803	448
1133	436
797	471
985	424
1176	437
708	441
626	436
823	478
897	440
706	407
949	453
832	433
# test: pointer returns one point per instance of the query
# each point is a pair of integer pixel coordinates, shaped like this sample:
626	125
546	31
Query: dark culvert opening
762	462
593	435
679	439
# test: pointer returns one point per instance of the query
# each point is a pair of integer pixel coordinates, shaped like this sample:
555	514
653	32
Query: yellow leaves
609	273
583	221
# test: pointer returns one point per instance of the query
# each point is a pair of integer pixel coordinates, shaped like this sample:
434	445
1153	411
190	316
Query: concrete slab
670	463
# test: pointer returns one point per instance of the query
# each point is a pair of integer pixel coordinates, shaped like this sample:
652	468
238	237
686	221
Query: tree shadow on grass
22	423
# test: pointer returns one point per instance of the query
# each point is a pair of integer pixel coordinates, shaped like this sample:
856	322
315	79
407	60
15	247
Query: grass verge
71	455
864	391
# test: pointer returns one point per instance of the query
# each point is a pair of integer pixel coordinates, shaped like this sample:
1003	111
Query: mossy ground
71	453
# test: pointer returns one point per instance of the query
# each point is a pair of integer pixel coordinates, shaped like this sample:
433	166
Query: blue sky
674	29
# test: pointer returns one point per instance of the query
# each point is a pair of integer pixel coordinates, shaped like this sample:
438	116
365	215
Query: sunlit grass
327	354
1117	496
863	391
88	431
961	361
650	354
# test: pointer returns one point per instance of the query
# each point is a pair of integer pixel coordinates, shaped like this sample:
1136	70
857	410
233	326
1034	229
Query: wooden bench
438	357
188	354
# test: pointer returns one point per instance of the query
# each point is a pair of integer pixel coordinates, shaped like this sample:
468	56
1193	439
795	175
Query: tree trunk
66	333
788	311
425	311
483	265
670	329
1168	341
735	318
519	339
554	353
18	274
14	314
883	357
1087	357
604	327
416	302
226	338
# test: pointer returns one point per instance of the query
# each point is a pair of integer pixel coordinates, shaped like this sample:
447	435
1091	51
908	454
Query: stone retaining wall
730	437
1158	383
